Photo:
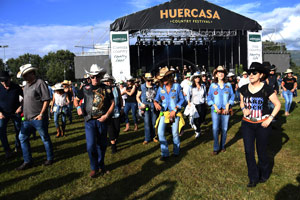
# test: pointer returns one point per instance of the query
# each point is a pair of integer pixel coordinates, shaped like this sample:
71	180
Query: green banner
254	38
119	38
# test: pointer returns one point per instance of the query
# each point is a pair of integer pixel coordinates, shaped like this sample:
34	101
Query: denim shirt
219	96
171	100
147	98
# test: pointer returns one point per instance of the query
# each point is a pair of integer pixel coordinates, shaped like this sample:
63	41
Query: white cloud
143	4
42	39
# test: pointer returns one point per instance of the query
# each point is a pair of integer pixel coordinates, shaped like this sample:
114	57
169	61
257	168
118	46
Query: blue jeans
237	95
217	121
70	108
63	117
133	107
96	143
288	97
256	135
149	123
16	118
26	129
162	139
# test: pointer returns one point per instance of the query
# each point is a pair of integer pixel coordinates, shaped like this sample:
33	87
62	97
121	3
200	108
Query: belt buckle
253	119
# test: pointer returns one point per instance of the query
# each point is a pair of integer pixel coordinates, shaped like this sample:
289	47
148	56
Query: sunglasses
254	72
92	77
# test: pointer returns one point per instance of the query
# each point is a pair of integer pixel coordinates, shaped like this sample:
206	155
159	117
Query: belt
256	120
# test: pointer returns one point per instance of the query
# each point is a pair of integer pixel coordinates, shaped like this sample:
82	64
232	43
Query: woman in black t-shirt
256	122
289	85
131	103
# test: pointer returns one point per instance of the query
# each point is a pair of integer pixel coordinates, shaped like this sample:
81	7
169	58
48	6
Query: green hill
295	54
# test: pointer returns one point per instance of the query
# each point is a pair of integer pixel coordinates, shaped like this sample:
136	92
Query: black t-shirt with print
289	83
257	103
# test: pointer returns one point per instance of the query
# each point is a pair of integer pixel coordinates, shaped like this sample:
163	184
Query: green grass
137	173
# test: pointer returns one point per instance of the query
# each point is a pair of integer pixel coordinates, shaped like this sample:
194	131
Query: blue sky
40	26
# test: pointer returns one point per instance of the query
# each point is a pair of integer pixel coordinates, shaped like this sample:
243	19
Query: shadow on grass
13	181
290	191
122	189
293	106
38	189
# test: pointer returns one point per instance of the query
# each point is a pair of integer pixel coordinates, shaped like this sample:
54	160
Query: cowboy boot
126	128
58	132
135	127
62	133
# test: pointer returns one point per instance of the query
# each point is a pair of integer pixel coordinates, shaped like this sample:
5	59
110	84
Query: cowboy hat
220	68
256	66
107	77
273	68
196	74
23	84
203	73
130	78
65	82
4	76
230	74
25	69
288	71
244	72
96	69
148	76
187	75
164	72
58	86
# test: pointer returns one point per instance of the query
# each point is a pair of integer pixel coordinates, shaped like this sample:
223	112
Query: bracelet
243	108
78	107
271	116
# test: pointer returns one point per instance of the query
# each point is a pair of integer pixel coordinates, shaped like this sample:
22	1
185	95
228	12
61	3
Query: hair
194	83
216	80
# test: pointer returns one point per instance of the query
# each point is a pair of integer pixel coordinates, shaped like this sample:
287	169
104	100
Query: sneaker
25	165
48	162
194	127
197	134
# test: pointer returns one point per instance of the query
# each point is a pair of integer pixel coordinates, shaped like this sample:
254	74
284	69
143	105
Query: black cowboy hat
256	66
4	76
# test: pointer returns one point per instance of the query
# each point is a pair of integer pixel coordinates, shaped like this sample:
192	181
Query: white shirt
185	84
243	81
60	100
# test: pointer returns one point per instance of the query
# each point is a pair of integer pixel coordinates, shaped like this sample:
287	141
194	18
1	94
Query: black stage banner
185	14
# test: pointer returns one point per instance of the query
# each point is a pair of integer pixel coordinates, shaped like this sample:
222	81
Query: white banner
120	59
254	44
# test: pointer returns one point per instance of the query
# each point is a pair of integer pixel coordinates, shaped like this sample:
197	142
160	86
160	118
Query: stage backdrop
254	47
120	59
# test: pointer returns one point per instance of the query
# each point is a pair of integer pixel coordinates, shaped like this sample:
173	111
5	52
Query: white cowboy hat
203	73
288	71
230	74
96	69
196	74
107	77
23	84
25	69
58	86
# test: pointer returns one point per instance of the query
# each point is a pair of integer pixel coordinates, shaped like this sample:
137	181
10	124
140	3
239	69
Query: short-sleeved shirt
35	95
102	96
257	103
289	83
9	99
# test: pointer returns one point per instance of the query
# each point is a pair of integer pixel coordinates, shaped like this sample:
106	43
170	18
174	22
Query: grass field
137	173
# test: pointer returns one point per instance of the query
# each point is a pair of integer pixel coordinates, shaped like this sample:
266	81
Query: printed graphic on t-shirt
150	94
255	105
98	102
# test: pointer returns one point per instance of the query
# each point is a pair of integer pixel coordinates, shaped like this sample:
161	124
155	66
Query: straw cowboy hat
25	69
96	69
288	71
244	72
164	72
4	76
148	76
58	86
196	74
220	68
65	82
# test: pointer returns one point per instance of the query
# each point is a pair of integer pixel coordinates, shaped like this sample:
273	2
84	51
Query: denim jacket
144	94
117	108
171	100
219	96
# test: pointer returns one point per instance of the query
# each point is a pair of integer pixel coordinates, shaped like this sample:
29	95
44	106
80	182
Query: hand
19	110
51	110
143	106
189	104
217	109
2	116
266	123
157	106
292	90
39	117
226	111
172	114
246	112
79	111
284	89
102	118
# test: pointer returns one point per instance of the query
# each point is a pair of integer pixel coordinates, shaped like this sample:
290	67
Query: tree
60	66
274	46
1	65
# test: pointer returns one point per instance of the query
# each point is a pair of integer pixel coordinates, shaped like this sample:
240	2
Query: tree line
53	67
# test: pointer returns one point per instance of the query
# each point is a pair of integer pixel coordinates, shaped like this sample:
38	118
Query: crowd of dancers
165	100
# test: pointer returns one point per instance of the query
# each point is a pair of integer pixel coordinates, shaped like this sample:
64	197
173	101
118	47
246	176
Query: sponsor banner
120	59
254	45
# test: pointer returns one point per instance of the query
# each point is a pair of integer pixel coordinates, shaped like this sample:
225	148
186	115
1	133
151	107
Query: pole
181	56
153	57
139	59
168	56
195	49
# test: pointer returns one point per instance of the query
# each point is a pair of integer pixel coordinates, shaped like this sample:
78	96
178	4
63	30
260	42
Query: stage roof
185	14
